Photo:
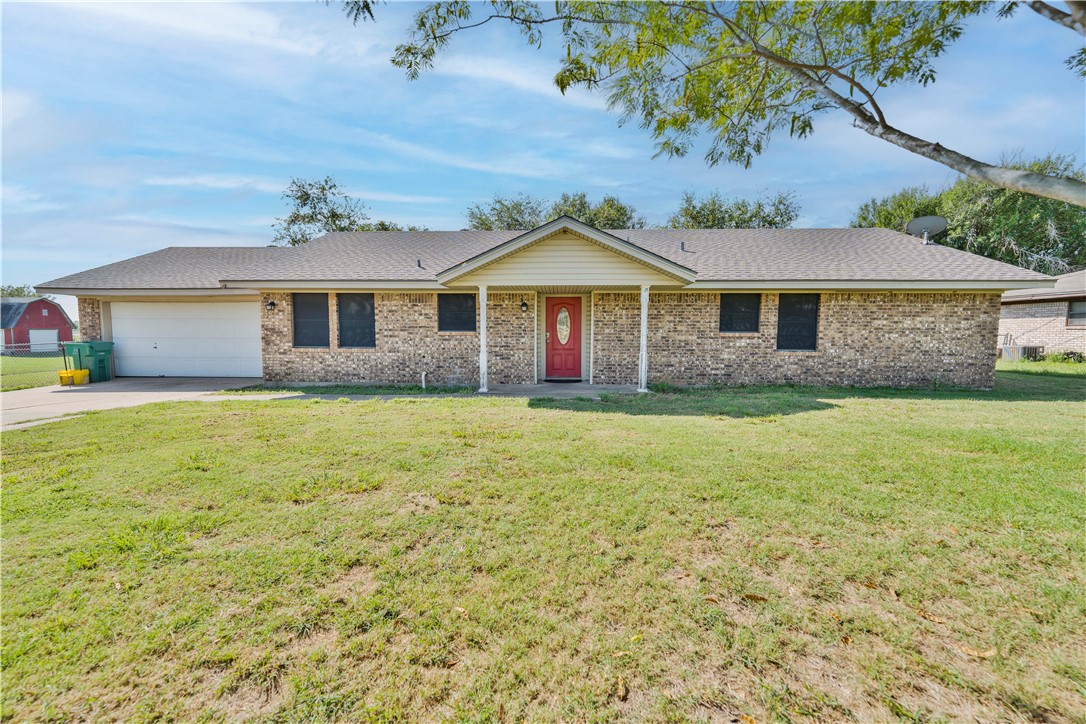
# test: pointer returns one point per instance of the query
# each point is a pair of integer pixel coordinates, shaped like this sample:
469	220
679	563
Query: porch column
482	339
643	357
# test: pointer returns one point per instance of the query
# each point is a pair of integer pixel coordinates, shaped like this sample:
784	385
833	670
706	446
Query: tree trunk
1069	190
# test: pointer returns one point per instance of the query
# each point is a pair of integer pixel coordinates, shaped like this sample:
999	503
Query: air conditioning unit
1017	352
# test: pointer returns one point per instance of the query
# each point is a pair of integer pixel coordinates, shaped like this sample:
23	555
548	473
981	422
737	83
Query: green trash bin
79	355
94	356
101	367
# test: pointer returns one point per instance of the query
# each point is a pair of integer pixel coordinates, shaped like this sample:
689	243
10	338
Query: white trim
535	338
643	356
333	284
105	318
591	334
482	339
602	238
832	286
206	292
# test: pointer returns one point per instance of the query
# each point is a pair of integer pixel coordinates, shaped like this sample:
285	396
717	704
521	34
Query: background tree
898	209
521	212
778	211
319	207
1036	233
739	72
20	290
609	213
524	211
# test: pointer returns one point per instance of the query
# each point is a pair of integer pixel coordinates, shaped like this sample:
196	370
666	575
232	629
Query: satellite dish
926	227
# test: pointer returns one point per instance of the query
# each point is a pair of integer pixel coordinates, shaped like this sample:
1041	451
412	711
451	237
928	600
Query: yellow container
73	377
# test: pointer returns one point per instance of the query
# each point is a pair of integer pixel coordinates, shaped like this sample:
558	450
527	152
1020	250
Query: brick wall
90	319
864	339
408	343
1043	324
510	343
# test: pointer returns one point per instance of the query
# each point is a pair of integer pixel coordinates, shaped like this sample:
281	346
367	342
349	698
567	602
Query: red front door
563	337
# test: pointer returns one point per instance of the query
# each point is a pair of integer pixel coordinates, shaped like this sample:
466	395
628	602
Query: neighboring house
1054	319
563	301
34	324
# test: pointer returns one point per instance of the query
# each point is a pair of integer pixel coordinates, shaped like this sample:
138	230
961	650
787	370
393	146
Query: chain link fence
30	365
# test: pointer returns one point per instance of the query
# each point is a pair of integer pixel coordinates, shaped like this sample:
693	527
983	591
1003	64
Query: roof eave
145	291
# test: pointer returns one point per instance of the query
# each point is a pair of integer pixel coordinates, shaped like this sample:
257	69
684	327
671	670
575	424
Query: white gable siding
565	260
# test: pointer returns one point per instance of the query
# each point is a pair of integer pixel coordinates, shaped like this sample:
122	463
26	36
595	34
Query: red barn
34	324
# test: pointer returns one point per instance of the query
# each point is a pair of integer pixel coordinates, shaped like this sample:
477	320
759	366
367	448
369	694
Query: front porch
560	323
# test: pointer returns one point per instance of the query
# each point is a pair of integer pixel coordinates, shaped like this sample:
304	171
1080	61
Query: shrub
1077	357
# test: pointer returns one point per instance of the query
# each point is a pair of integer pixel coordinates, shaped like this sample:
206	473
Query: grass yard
26	370
752	554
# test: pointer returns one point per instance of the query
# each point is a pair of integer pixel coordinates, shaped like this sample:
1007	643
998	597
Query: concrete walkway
51	403
24	408
559	390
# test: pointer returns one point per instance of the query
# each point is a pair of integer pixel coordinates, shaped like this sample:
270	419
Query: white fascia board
608	241
334	284
950	286
210	292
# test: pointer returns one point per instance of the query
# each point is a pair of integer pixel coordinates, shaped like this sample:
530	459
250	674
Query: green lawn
752	554
17	373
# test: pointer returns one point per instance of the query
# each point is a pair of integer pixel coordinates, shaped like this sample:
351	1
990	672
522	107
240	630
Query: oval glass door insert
562	324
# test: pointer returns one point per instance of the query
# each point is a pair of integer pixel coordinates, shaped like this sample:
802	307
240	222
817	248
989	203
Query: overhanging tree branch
1068	20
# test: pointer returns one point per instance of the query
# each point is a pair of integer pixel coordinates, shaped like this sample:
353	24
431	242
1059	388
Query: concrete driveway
48	403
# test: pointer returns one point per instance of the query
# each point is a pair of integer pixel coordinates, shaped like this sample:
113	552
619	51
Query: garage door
44	340
186	339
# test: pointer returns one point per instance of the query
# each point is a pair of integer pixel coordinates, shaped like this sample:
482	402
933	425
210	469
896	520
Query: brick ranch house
564	301
1054	319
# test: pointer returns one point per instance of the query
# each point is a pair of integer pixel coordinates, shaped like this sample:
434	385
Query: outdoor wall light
523	306
270	306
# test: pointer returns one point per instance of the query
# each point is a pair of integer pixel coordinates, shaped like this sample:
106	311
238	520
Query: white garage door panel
44	340
186	339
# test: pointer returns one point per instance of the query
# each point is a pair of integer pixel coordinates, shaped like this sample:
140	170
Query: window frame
372	320
757	298
474	313
1071	314
817	320
294	318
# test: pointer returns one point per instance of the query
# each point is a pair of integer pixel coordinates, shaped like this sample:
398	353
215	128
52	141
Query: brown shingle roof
846	255
175	267
1068	286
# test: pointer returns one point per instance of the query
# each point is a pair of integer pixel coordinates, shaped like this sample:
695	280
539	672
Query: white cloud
528	165
17	105
397	198
528	79
219	182
21	200
225	23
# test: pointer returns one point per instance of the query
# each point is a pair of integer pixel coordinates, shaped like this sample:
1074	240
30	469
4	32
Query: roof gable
627	262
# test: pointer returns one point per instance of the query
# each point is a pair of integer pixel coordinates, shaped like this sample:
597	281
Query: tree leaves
736	73
777	211
320	207
1042	234
524	212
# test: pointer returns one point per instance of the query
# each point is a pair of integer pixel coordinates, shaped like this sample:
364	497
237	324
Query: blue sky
128	127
